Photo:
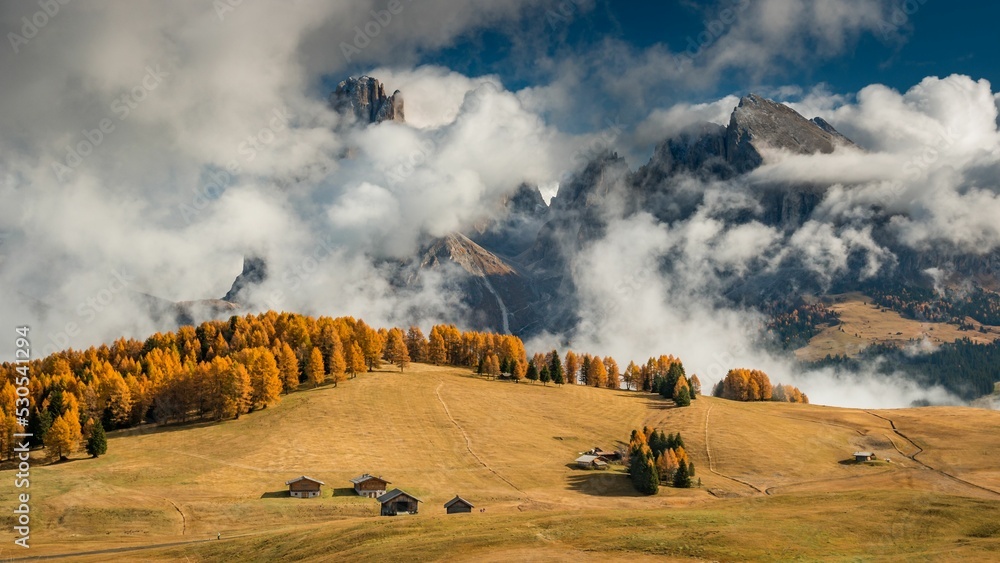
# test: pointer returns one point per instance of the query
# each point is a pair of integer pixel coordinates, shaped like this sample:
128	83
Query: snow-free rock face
473	258
254	273
497	295
758	123
365	97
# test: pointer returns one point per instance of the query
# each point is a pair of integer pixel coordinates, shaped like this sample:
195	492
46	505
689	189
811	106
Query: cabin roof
366	477
866	454
587	458
304	478
395	493
457	500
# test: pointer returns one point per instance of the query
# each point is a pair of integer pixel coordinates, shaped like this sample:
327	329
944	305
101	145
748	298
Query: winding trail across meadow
468	443
711	461
921	450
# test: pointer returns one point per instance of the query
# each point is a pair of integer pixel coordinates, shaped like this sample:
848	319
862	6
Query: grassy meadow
776	480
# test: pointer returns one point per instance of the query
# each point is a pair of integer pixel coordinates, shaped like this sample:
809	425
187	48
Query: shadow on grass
152	428
283	493
344	492
602	483
875	463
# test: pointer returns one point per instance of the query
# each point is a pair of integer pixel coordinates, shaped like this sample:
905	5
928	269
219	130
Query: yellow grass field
776	483
863	323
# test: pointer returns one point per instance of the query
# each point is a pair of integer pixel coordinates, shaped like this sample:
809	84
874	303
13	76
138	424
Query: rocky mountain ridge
513	268
364	97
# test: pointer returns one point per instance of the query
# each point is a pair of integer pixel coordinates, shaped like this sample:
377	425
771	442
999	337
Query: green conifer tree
97	443
681	478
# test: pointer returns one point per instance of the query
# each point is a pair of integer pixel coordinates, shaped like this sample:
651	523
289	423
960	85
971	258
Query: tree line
754	385
217	370
228	368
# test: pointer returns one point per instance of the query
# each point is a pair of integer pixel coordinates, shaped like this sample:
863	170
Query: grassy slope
190	483
861	317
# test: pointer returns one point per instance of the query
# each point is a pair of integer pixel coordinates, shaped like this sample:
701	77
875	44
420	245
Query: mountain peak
365	97
758	123
474	259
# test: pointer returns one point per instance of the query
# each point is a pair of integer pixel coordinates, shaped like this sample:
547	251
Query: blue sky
936	39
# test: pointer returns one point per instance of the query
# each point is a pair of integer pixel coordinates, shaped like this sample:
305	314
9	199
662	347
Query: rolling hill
776	482
863	323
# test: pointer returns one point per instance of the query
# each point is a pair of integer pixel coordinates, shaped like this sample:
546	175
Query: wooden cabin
591	462
606	455
864	456
304	487
458	505
369	486
397	502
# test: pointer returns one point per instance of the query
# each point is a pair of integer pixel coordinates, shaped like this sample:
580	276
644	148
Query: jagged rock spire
365	97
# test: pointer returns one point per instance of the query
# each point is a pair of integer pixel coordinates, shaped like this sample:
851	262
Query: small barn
369	486
398	502
591	462
304	487
457	505
602	453
864	456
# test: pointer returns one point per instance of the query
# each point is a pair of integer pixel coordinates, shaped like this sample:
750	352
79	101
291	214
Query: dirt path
711	461
468	443
921	450
184	523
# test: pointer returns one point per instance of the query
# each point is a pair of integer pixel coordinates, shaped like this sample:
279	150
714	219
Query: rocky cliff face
366	99
758	124
514	273
514	224
254	273
498	295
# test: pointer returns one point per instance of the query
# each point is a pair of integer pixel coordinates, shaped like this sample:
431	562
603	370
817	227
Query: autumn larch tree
491	366
396	349
8	427
614	378
631	376
416	344
437	350
371	343
338	365
518	372
265	377
315	372
695	386
355	359
572	367
59	439
597	375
